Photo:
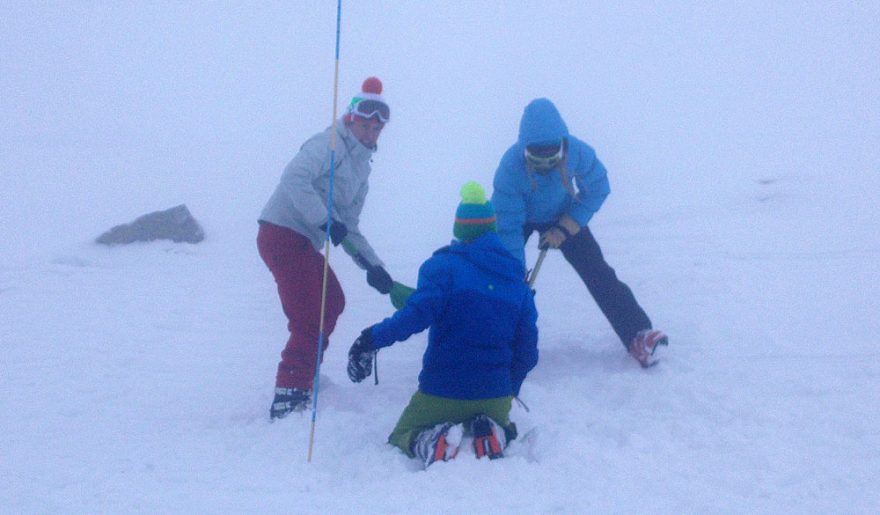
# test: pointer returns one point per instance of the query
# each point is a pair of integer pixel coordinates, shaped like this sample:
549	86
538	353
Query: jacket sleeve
423	307
525	347
298	180
352	222
510	208
591	179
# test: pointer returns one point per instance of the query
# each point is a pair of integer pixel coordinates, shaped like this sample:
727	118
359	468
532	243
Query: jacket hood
488	254
541	123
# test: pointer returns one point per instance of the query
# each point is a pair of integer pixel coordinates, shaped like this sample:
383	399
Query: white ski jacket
300	199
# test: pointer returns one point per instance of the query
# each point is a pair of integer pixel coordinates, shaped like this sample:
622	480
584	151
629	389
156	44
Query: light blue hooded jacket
522	196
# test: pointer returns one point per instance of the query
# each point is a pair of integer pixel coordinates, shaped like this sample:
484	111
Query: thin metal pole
320	351
534	273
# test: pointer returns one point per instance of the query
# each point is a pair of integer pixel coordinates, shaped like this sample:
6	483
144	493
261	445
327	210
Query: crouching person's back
482	341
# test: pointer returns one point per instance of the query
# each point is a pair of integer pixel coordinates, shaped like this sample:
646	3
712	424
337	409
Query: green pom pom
473	193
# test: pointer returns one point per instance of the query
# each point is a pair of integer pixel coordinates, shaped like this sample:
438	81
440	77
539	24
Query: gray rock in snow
175	224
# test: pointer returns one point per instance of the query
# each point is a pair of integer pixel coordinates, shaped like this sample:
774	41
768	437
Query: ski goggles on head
372	108
545	157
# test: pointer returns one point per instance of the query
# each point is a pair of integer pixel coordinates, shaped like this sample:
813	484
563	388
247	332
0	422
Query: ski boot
288	400
439	443
644	346
490	439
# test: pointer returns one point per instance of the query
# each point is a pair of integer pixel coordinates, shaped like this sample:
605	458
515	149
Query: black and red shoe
489	438
439	443
644	345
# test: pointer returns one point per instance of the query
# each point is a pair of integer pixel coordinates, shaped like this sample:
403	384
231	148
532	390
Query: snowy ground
742	149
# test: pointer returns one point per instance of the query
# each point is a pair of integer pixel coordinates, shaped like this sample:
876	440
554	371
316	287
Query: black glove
338	232
360	357
378	278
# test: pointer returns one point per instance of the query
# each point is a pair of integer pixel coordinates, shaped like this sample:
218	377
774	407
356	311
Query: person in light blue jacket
551	182
481	344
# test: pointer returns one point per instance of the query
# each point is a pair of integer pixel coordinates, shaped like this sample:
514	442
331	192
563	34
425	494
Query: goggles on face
370	108
545	157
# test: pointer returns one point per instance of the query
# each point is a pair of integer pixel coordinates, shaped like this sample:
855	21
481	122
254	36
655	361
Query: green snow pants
425	411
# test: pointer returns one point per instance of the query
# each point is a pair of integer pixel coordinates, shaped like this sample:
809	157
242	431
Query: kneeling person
481	344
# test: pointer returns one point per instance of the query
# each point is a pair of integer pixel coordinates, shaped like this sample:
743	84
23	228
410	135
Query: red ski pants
299	270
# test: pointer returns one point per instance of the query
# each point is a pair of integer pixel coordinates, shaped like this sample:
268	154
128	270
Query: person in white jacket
293	226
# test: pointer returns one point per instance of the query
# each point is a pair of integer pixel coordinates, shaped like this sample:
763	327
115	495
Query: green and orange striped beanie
475	215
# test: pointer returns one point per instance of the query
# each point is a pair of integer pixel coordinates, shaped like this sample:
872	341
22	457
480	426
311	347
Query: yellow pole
320	350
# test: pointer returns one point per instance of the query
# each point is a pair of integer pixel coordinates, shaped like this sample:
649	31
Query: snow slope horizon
172	106
741	147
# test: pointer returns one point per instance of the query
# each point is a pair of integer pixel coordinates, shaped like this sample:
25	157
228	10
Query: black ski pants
614	298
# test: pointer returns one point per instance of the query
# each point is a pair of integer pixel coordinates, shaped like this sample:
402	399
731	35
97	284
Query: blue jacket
483	336
523	196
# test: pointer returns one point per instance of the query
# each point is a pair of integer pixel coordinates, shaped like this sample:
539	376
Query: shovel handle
533	274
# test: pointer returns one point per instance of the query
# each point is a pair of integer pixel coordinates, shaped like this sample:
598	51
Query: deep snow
742	147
